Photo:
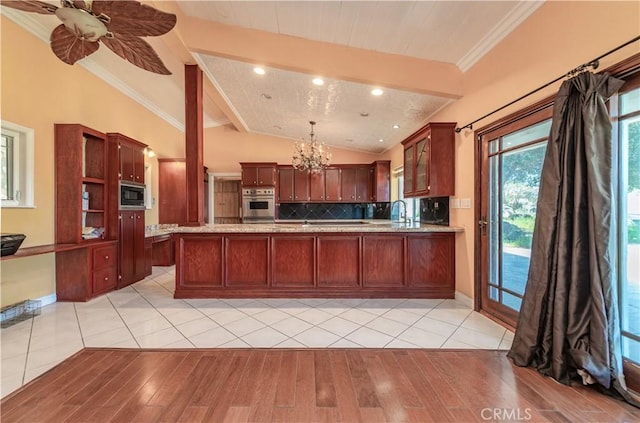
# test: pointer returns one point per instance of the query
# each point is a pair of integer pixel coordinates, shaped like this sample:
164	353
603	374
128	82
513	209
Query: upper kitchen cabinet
258	174
131	158
355	184
429	161
293	185
325	185
380	181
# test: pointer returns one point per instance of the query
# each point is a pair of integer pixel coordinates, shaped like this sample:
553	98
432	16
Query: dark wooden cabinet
132	247
324	186
429	161
162	254
348	185
360	264
381	181
363	184
85	205
87	271
131	157
293	185
172	191
258	174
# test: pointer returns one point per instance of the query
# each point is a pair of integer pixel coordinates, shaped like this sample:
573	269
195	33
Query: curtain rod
591	64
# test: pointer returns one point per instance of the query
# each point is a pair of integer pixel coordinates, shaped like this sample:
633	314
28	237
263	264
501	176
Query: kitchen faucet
401	217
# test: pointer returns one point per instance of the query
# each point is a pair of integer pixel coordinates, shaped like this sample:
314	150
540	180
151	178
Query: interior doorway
226	198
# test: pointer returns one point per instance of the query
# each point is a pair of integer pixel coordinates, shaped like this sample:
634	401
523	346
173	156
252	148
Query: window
413	204
16	155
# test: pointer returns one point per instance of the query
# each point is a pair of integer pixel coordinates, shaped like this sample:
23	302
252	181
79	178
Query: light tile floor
145	315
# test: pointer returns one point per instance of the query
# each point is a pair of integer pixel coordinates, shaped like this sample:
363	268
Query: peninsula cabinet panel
200	260
338	261
383	261
293	261
430	261
247	260
86	272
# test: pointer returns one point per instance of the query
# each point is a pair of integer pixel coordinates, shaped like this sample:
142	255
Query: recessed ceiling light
364	114
396	126
259	70
380	140
318	81
376	91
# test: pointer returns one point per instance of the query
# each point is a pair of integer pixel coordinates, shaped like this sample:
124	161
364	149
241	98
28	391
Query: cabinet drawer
104	280
104	257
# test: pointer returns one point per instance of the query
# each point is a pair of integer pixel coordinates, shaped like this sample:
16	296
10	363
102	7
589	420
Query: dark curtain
569	326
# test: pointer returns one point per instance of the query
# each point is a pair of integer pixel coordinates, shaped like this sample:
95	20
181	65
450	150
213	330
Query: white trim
515	17
24	170
464	299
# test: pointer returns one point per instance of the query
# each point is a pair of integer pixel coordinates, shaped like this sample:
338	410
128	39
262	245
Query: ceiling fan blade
68	47
137	51
31	6
133	18
80	4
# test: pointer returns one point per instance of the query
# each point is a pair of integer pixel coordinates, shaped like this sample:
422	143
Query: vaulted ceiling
414	51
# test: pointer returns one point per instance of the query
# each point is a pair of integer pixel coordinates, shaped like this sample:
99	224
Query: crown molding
503	28
30	24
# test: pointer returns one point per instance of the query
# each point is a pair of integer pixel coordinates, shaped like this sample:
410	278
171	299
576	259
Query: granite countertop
311	226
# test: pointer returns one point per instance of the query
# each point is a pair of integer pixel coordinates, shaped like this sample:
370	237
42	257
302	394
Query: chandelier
311	155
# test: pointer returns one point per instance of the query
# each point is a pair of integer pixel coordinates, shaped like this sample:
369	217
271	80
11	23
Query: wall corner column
193	148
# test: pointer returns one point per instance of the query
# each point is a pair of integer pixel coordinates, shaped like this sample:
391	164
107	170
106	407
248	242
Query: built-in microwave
131	196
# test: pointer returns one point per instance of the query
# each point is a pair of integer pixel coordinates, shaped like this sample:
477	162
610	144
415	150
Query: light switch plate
465	203
455	203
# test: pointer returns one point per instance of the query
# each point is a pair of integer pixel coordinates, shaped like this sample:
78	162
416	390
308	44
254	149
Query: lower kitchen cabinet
132	247
86	271
327	264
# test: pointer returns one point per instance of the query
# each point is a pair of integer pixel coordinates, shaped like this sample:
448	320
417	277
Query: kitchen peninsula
366	259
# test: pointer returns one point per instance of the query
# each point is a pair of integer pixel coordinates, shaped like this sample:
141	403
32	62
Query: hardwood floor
328	385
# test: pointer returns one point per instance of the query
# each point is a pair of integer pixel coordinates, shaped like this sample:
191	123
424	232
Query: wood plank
193	414
345	391
407	393
286	389
362	383
325	389
265	388
237	415
246	385
219	406
305	386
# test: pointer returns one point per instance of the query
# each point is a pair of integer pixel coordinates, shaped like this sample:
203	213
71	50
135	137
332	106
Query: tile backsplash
435	210
292	211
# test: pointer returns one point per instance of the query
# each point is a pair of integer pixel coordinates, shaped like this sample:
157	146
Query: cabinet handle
260	182
106	257
352	197
254	182
106	278
130	176
139	216
289	197
130	217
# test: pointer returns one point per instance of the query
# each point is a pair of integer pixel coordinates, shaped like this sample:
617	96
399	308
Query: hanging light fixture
311	155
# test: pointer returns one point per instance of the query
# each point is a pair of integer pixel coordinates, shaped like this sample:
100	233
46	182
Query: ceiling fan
117	24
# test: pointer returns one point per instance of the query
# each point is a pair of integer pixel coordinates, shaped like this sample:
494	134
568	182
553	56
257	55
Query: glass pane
630	102
630	226
494	219
528	134
421	166
494	293
408	166
511	301
631	349
6	168
494	145
521	171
